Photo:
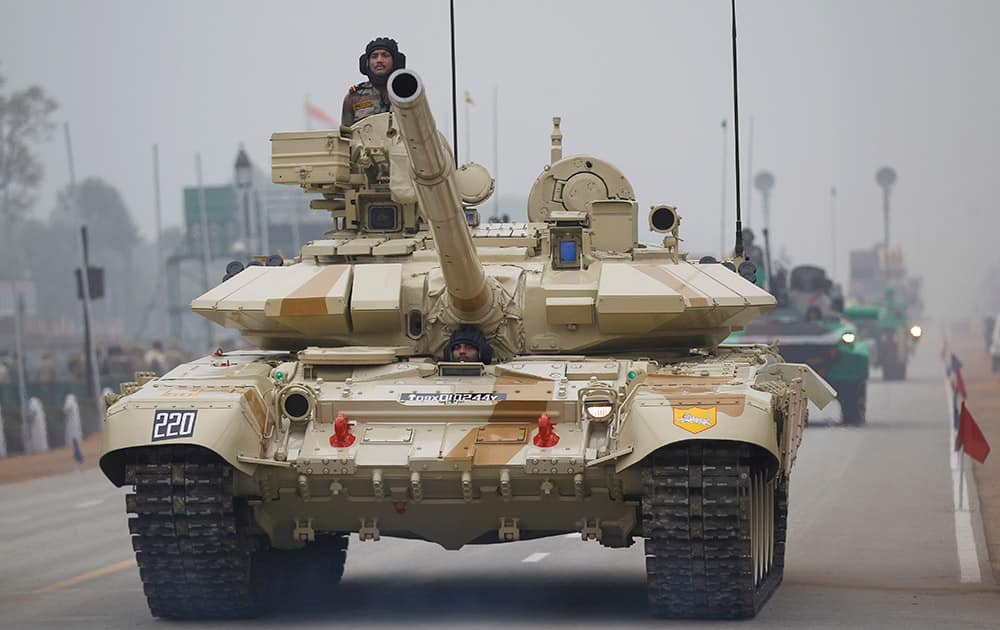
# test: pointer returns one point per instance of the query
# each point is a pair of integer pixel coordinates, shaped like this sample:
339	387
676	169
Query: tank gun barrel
433	173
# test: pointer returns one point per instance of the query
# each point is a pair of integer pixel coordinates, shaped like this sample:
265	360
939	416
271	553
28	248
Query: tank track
696	520
194	559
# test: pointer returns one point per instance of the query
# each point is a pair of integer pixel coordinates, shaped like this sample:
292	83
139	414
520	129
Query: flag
955	369
956	365
970	438
955	412
959	385
318	114
468	98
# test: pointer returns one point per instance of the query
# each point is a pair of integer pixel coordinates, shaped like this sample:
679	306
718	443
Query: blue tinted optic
567	251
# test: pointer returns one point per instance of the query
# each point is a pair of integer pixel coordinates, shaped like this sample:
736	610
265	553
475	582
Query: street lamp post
206	247
243	177
93	372
764	182
886	177
833	232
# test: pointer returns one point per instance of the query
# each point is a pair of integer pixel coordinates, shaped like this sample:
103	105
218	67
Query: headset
398	58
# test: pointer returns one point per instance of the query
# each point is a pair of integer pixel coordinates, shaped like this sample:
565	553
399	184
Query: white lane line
83	505
965	540
535	557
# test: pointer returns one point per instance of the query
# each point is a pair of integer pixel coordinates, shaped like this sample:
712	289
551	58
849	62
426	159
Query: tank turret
407	262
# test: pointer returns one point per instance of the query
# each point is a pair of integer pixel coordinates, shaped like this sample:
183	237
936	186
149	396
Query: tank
601	402
809	327
886	305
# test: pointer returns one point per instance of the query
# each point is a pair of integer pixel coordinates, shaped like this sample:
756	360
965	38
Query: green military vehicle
808	328
597	399
890	334
886	307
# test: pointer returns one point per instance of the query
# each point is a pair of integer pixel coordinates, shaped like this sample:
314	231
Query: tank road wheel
194	557
714	523
853	399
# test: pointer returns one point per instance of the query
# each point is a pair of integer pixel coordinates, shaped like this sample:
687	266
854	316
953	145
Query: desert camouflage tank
607	407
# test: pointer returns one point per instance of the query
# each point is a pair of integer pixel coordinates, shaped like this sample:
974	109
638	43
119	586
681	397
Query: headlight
598	409
916	331
848	337
298	402
598	403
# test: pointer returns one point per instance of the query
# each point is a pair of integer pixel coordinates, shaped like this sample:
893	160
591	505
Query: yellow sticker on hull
695	419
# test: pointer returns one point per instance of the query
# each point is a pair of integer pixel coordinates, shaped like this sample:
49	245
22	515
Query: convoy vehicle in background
807	327
886	305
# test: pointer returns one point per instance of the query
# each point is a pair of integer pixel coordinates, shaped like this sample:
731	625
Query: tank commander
380	58
468	344
754	253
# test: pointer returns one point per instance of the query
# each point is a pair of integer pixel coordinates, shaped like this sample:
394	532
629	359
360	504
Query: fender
229	422
652	421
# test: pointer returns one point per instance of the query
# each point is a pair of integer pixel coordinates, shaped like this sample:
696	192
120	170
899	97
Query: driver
468	344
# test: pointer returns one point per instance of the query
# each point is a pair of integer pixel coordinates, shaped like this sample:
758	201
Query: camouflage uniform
363	100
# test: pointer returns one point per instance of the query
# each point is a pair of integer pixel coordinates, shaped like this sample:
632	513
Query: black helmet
473	336
383	43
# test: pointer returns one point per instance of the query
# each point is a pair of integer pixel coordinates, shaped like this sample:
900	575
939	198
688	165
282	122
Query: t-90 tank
584	389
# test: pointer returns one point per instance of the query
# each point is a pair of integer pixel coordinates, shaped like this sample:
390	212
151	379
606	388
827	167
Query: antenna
736	130
454	95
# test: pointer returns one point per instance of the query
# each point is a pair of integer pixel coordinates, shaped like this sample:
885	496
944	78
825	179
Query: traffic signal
95	277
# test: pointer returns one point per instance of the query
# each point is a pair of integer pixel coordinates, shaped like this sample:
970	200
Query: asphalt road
872	544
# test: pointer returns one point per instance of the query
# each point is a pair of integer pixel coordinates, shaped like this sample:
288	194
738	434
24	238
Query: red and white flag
970	438
315	113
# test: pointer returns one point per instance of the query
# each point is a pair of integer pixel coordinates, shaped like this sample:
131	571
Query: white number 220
173	424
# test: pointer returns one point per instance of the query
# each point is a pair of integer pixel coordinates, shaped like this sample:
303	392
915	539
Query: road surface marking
535	557
89	575
965	540
82	505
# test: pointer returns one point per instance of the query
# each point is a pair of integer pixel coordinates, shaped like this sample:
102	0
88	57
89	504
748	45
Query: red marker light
546	436
400	507
342	436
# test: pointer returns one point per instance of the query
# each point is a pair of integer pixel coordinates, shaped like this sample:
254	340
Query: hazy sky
834	89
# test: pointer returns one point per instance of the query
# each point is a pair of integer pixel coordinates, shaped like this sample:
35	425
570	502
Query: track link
193	559
709	550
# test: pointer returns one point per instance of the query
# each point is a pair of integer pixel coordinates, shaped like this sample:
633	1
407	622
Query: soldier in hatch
380	59
468	344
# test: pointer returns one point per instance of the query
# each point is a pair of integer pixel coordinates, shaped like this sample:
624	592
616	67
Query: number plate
169	424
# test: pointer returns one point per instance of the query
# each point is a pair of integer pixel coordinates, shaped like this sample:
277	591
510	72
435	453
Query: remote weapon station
600	401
